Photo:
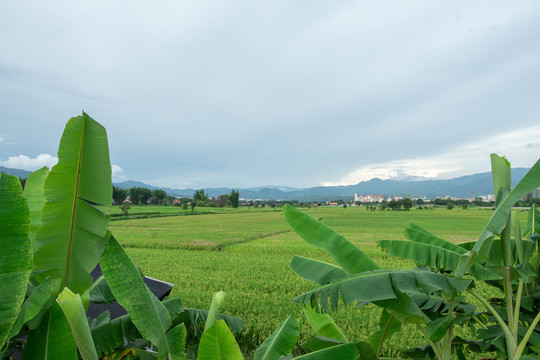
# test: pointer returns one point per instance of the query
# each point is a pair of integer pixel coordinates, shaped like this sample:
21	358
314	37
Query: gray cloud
246	94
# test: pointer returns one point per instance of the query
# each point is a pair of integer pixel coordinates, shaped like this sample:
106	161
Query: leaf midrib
275	338
68	262
362	275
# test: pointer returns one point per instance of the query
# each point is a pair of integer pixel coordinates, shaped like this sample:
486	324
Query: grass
246	253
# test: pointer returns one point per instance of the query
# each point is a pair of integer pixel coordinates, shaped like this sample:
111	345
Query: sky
301	93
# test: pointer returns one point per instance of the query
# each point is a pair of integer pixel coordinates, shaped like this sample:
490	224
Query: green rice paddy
246	253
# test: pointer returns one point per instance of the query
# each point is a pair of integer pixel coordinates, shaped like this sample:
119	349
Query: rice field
246	253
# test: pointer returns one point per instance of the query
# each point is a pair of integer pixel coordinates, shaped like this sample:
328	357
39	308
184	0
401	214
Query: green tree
394	204
200	198
139	195
158	197
234	198
407	203
222	200
184	203
119	195
450	206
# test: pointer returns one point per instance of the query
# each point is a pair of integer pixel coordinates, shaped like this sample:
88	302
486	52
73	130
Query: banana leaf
129	353
381	285
342	352
73	309
218	343
438	328
467	245
52	339
316	342
195	319
281	342
100	293
406	308
148	314
34	191
174	306
176	338
417	233
33	305
422	253
502	178
110	335
217	301
15	252
435	257
347	255
533	222
501	183
519	253
73	234
498	220
316	271
388	326
323	324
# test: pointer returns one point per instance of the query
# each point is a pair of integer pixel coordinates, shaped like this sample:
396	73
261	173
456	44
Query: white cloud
24	162
117	173
519	147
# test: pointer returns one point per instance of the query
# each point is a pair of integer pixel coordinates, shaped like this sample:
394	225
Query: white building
488	198
368	198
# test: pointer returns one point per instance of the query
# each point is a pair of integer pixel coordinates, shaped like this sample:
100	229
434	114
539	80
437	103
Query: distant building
368	198
535	194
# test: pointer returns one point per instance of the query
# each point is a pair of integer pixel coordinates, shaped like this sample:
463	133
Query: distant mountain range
17	172
464	186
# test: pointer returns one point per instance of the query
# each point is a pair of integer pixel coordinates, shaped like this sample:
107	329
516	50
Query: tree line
143	196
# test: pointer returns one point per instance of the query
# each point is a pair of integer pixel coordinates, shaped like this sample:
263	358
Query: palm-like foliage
60	235
503	256
73	233
414	296
15	252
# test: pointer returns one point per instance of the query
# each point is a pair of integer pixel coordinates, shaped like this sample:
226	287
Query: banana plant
66	236
517	258
503	256
425	298
52	235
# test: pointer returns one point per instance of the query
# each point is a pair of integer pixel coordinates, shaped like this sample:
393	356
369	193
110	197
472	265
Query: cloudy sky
296	93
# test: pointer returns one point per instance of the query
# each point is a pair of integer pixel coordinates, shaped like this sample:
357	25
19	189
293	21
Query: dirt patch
202	242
